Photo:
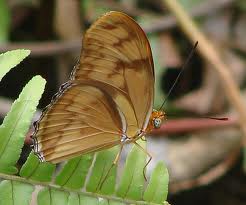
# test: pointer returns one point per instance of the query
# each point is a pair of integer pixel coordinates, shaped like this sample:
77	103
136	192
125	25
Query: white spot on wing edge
124	125
40	156
37	150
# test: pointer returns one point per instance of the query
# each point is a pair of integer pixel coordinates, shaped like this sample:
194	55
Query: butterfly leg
115	162
143	139
149	160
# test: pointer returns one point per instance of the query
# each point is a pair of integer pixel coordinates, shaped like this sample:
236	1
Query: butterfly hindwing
82	116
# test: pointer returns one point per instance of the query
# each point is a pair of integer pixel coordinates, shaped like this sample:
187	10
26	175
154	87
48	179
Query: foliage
64	186
4	21
10	59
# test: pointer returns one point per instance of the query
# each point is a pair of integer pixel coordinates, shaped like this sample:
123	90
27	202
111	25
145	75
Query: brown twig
185	125
45	48
210	53
167	22
203	9
59	47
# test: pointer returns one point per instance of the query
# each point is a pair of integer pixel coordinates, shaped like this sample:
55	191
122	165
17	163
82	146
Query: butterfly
108	99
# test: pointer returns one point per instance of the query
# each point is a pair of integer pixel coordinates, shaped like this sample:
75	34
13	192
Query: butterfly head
156	119
157	122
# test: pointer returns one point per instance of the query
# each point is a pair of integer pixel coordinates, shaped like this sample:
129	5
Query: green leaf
49	196
52	194
36	170
103	172
103	202
10	59
73	199
109	202
4	21
157	188
17	123
88	200
74	172
132	181
116	203
15	193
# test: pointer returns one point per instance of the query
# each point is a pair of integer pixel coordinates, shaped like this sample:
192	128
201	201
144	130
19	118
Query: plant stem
210	53
53	186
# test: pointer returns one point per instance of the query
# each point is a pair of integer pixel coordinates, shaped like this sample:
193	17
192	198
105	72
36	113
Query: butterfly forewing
110	93
116	53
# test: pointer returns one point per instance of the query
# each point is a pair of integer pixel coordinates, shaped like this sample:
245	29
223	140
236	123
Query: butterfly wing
81	120
109	95
116	55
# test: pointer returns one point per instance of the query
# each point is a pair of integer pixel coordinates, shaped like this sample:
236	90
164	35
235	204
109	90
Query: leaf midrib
53	186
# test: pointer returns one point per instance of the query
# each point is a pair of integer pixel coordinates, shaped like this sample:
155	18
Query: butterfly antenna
177	78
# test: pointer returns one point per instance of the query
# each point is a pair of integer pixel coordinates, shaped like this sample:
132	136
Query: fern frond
89	179
16	124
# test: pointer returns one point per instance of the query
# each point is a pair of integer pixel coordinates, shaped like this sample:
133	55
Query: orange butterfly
108	99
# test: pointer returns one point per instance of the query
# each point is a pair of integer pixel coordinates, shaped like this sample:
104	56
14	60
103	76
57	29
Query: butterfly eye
157	122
